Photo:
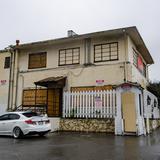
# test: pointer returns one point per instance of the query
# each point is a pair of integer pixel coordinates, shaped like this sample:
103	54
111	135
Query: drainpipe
12	81
147	73
125	62
10	89
12	97
10	72
15	81
147	125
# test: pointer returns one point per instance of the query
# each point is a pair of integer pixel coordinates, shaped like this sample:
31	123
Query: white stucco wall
119	123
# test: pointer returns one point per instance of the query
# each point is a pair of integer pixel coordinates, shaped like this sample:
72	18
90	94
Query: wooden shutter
33	97
37	60
92	88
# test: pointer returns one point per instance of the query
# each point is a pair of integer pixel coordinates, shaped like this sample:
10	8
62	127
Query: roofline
78	36
131	31
144	44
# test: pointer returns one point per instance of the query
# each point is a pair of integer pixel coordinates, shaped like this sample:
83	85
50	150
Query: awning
129	84
52	82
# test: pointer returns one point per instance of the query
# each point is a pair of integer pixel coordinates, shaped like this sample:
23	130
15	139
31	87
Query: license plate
40	123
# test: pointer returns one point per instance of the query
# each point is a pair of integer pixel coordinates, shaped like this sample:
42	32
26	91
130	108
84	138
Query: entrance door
129	112
54	102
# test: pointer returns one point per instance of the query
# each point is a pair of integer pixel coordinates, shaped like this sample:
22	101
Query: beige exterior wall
53	52
112	72
135	74
4	77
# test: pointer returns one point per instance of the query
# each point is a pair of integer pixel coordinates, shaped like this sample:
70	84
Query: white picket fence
90	104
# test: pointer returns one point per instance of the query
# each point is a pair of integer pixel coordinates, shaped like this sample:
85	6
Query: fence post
64	105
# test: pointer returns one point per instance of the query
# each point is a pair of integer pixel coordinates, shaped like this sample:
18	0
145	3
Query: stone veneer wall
154	123
87	125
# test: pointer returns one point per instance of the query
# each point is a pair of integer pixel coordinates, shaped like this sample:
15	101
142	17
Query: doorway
54	102
129	112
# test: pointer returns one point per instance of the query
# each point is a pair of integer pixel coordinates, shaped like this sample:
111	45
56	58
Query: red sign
3	82
99	82
140	64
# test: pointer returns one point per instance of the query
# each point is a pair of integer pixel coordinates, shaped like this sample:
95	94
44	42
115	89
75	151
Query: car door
3	119
11	122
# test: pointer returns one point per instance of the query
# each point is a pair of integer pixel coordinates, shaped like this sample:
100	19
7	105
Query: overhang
52	82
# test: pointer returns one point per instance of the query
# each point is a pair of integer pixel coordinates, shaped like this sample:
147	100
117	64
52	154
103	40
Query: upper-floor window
135	58
106	52
139	63
37	60
7	62
69	56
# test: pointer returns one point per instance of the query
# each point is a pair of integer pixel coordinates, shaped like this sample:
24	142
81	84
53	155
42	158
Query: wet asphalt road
80	146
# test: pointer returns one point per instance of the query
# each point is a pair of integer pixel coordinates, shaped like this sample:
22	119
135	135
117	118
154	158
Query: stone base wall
87	125
154	124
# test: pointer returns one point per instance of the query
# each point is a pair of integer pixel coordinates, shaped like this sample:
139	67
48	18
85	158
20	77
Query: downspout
147	73
9	87
11	76
125	51
15	87
147	118
12	81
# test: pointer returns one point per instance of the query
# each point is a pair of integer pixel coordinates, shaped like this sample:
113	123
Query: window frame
7	65
135	53
110	55
144	72
65	50
40	54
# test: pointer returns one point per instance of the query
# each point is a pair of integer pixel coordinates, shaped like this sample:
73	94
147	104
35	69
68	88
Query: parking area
81	146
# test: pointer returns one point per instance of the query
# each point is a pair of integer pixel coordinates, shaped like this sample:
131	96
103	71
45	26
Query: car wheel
41	134
17	133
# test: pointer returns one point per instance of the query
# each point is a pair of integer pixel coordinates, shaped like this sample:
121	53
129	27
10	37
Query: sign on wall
3	82
98	103
99	82
140	64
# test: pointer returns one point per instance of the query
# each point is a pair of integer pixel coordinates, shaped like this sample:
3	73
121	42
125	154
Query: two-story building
91	76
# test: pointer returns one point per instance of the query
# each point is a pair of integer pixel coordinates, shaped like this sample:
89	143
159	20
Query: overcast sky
35	20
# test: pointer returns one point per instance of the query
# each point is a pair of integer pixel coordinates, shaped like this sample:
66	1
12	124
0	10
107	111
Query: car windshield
30	114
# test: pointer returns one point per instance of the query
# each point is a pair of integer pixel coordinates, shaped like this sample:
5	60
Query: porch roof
130	84
52	82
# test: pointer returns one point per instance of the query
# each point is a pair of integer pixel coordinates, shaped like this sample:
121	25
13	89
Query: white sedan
18	124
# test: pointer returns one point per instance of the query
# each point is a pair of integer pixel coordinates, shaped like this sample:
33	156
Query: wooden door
129	112
54	108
